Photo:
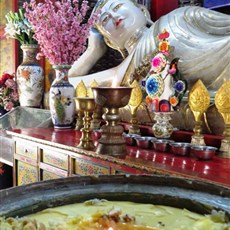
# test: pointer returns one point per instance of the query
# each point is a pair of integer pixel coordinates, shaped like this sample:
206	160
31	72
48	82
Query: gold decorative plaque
89	90
134	102
199	101
222	102
81	90
97	114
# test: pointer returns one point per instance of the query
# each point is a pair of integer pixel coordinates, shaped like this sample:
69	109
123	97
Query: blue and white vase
62	107
30	78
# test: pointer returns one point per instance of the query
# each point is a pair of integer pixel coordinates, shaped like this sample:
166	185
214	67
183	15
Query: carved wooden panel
26	173
84	167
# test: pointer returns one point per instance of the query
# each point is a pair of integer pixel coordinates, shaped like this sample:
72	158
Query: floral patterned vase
61	101
162	128
30	78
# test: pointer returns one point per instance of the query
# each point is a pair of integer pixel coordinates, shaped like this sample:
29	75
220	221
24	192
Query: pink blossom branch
60	28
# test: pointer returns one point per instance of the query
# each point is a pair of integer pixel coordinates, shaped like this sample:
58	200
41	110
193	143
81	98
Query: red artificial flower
163	35
5	77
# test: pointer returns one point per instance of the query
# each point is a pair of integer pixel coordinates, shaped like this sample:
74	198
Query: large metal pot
193	195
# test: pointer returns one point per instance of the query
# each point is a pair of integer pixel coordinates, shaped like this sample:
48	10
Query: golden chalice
87	106
112	98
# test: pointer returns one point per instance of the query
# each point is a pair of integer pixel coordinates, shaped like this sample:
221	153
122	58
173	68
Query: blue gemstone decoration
152	86
179	86
143	83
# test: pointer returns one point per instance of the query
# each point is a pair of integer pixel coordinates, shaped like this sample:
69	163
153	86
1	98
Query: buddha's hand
96	41
95	50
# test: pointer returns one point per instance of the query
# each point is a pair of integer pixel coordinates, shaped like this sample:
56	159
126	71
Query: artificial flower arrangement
9	98
164	85
60	28
18	27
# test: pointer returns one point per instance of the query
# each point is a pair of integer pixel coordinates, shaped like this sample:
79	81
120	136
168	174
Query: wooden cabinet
39	156
37	162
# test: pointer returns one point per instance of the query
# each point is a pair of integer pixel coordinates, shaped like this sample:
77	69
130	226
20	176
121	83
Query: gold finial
199	101
222	102
134	102
81	90
89	90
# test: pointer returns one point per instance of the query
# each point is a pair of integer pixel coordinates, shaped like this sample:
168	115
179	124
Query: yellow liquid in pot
95	215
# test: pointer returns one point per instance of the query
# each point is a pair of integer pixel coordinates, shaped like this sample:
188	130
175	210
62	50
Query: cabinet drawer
49	176
84	167
26	173
56	159
26	149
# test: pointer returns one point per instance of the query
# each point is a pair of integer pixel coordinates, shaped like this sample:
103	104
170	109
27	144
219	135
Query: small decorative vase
61	101
162	128
30	78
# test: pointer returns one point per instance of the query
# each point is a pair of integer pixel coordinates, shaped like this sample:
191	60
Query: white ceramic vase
30	78
62	106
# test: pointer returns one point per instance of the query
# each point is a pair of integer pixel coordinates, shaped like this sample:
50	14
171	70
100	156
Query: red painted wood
162	7
216	170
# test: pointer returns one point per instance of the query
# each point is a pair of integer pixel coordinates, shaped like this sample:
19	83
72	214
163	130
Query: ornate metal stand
112	141
87	105
97	116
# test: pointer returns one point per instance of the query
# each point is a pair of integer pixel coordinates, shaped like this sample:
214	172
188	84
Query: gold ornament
222	102
199	101
81	90
134	103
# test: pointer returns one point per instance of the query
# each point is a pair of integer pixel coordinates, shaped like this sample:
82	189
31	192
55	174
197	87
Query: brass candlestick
222	102
86	105
199	101
112	142
134	103
80	91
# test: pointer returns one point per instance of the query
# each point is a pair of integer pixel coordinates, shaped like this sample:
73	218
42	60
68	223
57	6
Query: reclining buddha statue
200	38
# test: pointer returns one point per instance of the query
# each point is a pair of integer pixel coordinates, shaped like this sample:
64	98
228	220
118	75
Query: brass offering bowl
87	106
203	152
180	148
161	145
144	142
130	138
112	142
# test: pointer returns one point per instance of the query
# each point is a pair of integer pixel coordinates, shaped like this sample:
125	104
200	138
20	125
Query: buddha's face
119	19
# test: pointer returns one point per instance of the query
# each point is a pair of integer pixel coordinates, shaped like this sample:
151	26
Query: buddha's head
119	20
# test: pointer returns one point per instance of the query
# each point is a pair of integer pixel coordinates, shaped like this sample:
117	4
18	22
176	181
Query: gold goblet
112	98
222	102
199	101
86	105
